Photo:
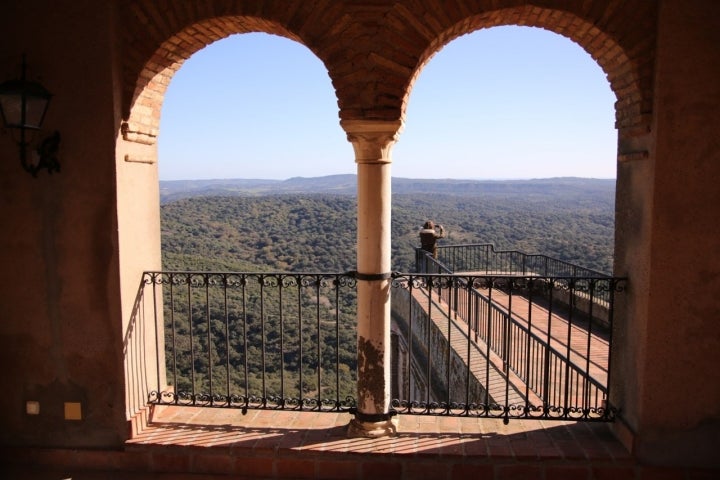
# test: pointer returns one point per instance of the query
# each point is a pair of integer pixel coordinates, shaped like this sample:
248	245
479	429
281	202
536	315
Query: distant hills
347	185
309	224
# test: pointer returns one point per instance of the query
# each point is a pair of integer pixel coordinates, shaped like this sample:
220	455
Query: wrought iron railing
523	355
483	258
257	340
288	341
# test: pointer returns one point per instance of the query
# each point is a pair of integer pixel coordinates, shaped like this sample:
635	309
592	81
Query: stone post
372	141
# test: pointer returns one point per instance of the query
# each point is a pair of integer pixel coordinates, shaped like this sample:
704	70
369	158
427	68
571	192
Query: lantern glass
23	104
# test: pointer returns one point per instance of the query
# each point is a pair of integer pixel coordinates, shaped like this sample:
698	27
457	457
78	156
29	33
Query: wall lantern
23	105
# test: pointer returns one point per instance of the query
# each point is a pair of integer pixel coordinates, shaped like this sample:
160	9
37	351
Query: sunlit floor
193	443
426	435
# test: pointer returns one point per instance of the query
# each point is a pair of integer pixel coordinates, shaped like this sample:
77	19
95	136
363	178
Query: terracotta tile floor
187	443
268	431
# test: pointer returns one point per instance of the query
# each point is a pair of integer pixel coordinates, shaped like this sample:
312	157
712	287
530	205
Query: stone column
372	141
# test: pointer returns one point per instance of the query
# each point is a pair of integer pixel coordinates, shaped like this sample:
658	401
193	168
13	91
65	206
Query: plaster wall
679	405
430	341
61	323
138	210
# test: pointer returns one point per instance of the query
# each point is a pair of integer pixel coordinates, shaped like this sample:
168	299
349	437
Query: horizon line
496	179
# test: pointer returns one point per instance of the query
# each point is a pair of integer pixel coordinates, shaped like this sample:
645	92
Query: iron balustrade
553	367
516	365
483	345
482	257
257	340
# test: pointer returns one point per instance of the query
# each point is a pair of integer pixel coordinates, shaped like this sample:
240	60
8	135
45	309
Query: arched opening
369	117
631	84
241	118
274	129
530	115
281	130
516	184
251	106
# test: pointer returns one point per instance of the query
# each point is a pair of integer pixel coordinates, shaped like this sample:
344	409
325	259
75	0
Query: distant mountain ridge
171	190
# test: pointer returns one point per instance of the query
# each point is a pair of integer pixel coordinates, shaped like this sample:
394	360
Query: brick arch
145	95
158	37
625	62
374	50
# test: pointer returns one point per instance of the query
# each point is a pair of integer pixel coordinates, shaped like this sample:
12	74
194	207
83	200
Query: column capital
372	139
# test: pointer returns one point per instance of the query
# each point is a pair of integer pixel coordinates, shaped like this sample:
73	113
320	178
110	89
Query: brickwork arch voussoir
145	90
629	78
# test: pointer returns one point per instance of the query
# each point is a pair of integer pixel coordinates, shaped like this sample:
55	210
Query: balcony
80	241
498	366
477	333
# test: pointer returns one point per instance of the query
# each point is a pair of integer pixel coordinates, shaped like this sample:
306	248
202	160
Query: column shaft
373	309
371	142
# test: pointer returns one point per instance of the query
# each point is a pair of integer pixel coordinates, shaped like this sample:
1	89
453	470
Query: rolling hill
308	224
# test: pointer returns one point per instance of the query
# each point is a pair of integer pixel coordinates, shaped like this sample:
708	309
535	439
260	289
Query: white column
372	141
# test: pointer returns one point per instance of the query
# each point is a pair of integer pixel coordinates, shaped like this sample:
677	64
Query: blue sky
500	103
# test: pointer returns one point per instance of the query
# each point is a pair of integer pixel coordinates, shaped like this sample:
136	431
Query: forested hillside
317	232
262	345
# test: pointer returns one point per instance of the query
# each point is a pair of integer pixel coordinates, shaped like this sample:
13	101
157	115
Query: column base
361	429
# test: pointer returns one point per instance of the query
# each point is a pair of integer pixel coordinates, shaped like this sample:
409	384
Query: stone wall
430	342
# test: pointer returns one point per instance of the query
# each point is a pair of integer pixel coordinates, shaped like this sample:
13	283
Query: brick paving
322	435
587	350
583	340
574	338
193	443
